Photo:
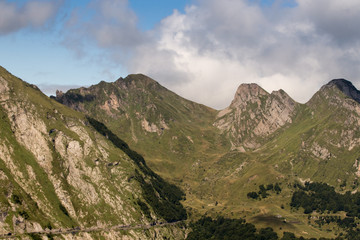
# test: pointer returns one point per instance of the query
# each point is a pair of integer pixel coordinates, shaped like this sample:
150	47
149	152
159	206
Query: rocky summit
253	115
130	159
346	87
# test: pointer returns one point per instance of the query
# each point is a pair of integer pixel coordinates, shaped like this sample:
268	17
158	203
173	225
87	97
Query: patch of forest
323	198
264	191
234	229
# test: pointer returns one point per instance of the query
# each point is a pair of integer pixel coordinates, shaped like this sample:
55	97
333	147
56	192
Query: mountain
345	87
333	136
84	170
170	131
64	171
255	114
218	157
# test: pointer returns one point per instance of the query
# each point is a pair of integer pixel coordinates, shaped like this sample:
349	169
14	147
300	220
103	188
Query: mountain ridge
254	113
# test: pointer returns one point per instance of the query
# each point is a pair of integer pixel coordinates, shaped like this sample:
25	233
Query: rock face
254	114
57	171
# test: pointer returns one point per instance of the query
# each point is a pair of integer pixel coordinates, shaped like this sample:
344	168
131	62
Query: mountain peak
345	87
254	114
247	92
137	79
339	81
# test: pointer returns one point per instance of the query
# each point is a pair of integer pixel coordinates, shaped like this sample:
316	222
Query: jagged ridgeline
57	172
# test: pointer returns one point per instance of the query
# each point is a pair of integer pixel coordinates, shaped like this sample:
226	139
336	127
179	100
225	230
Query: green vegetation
224	228
263	191
322	197
56	171
76	97
144	208
180	143
16	199
35	236
102	129
63	209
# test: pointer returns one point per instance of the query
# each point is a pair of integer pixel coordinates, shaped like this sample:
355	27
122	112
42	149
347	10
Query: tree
253	195
277	188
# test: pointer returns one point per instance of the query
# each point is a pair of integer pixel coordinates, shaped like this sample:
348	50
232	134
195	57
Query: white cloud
204	53
338	19
217	45
33	14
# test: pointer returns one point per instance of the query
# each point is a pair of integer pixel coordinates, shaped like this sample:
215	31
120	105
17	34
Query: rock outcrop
253	115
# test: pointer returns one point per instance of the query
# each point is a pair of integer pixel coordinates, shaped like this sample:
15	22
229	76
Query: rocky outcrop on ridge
254	114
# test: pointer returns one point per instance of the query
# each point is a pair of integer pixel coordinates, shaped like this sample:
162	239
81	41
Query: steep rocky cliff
253	115
58	170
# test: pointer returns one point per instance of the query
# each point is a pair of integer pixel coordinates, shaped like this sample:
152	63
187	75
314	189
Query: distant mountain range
132	152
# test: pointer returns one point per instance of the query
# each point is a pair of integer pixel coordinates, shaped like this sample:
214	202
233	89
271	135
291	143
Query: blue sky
201	49
150	13
38	55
